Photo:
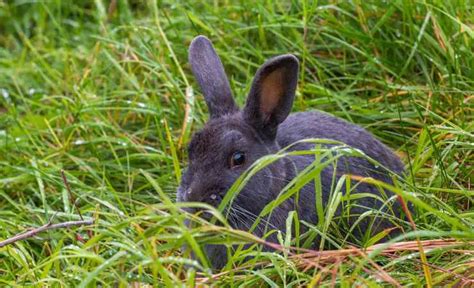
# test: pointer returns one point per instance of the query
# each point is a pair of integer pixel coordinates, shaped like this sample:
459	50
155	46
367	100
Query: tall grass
102	91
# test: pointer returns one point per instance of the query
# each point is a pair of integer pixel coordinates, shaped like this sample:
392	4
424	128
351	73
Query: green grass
100	93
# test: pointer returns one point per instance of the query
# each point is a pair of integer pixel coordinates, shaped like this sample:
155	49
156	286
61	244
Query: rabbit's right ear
272	93
210	74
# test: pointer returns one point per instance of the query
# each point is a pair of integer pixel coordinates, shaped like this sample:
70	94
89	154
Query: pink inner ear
271	91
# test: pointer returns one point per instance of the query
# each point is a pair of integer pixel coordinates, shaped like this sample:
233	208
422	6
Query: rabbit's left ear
272	93
209	72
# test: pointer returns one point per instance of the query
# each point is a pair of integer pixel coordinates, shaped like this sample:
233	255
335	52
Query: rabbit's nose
209	196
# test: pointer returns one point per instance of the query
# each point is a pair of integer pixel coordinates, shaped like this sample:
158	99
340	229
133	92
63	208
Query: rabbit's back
316	124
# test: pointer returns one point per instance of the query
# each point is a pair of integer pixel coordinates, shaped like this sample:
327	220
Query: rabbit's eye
237	159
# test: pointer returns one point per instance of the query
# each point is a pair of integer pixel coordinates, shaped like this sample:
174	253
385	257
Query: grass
98	89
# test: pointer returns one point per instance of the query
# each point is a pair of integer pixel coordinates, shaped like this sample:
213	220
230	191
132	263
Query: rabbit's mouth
212	199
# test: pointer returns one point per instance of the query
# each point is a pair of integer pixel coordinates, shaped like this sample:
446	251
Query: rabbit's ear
271	95
210	74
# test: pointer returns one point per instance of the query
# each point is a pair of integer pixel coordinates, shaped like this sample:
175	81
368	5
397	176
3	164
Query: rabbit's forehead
216	139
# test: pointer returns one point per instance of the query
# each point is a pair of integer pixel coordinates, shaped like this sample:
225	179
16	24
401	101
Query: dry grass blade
323	260
47	226
428	245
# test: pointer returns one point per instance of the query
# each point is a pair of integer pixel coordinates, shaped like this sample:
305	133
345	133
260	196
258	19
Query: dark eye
237	159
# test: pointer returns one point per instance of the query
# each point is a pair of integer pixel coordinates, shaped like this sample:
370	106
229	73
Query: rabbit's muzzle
211	196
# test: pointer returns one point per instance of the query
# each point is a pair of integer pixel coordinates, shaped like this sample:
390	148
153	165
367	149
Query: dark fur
259	131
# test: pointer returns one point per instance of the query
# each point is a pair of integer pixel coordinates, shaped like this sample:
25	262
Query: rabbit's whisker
254	217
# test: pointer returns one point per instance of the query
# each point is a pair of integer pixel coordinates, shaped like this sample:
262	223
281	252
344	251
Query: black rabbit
233	139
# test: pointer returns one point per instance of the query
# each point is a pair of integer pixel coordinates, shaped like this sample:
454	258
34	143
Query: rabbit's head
233	139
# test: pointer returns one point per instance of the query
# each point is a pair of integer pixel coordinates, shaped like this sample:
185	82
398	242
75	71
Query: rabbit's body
234	139
320	125
316	124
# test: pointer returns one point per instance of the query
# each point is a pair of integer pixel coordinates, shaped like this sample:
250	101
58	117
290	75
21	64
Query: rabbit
235	138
